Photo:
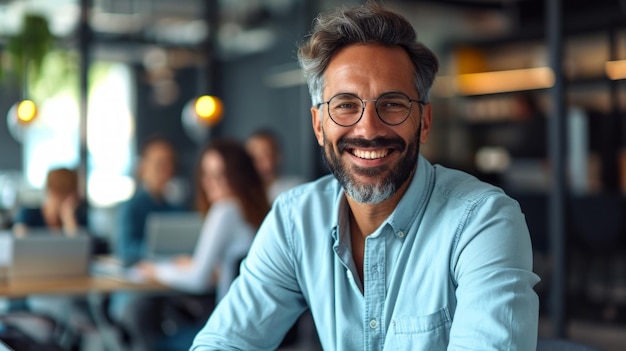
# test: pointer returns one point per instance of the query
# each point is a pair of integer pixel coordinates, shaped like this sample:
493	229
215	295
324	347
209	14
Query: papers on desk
6	256
110	267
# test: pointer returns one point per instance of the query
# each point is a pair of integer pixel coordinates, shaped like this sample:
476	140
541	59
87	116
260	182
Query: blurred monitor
172	233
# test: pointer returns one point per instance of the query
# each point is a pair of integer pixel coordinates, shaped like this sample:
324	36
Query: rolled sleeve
497	308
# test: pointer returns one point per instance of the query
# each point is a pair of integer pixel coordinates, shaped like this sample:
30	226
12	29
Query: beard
386	179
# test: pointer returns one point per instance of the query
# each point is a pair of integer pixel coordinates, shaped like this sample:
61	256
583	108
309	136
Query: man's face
157	167
371	159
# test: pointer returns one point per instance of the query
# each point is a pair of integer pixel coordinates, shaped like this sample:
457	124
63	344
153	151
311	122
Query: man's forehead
382	68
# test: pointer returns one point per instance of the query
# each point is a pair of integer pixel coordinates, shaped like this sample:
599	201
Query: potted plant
27	49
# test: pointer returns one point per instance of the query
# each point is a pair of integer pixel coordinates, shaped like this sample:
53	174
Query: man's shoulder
455	183
325	188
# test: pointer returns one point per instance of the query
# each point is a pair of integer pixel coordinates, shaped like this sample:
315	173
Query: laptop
50	256
172	233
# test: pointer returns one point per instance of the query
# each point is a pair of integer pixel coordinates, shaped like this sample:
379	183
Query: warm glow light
209	109
615	69
26	111
504	81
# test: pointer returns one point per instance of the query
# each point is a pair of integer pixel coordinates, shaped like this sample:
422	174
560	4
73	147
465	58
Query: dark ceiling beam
573	23
463	4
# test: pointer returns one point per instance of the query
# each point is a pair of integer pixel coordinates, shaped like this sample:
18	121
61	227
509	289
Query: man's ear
316	120
427	119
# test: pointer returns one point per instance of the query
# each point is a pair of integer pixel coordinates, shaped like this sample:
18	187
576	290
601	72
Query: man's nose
370	124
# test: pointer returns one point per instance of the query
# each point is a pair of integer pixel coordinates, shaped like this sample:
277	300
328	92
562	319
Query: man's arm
497	308
263	302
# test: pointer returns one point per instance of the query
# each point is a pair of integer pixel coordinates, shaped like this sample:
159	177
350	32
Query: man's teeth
370	154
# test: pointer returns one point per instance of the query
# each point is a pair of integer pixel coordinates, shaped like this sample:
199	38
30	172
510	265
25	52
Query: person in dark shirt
61	209
155	170
61	212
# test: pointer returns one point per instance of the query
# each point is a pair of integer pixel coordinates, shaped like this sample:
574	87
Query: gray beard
369	193
388	181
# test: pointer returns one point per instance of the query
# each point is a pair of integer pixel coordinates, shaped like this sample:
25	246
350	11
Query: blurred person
232	200
61	210
155	170
389	252
265	148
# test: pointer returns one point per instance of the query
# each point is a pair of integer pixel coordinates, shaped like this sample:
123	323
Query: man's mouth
369	154
371	149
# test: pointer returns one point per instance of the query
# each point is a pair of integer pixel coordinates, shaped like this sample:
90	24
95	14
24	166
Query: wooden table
95	288
74	286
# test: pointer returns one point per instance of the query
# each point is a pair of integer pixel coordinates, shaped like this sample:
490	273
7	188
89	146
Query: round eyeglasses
346	109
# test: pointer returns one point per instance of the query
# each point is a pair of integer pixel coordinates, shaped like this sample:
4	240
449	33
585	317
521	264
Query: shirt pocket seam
423	323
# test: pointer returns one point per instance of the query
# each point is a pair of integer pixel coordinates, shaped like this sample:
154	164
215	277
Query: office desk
74	286
94	288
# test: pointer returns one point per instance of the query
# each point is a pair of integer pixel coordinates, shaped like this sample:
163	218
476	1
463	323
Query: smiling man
389	252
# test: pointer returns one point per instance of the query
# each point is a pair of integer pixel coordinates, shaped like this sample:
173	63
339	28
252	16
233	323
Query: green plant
28	48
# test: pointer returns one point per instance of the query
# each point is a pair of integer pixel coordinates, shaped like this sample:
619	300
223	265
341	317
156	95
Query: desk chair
596	228
24	331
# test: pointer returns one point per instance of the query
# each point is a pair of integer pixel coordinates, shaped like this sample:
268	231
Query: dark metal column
210	82
613	145
556	152
84	43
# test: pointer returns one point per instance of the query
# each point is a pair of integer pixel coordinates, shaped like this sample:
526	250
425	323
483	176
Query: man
264	147
392	253
155	170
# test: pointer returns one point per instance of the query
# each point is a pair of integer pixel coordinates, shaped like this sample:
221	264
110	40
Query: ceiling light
615	69
504	81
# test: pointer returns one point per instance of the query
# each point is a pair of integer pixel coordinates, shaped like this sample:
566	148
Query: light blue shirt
450	269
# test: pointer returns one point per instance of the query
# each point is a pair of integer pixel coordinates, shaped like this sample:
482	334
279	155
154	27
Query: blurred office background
113	72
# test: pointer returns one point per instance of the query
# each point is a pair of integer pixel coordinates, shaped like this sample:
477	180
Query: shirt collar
341	212
414	199
410	205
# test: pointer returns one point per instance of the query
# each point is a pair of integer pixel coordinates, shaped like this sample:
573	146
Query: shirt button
349	274
401	234
373	324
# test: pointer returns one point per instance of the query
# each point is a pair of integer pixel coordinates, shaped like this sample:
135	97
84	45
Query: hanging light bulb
200	114
20	115
26	111
209	109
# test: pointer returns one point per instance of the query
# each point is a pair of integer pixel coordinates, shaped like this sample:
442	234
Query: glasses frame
363	104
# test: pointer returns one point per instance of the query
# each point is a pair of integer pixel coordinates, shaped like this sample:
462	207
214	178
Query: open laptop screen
50	256
172	233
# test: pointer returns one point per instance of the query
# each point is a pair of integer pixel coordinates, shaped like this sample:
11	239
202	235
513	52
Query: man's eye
346	105
392	104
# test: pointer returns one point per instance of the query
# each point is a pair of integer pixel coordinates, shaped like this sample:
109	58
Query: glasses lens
393	108
345	109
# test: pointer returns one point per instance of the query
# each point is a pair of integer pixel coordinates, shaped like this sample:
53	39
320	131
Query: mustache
396	143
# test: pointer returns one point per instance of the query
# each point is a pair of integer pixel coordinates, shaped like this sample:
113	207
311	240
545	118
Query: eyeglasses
346	109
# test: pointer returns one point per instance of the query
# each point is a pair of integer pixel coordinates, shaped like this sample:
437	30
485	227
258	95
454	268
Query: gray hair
366	24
